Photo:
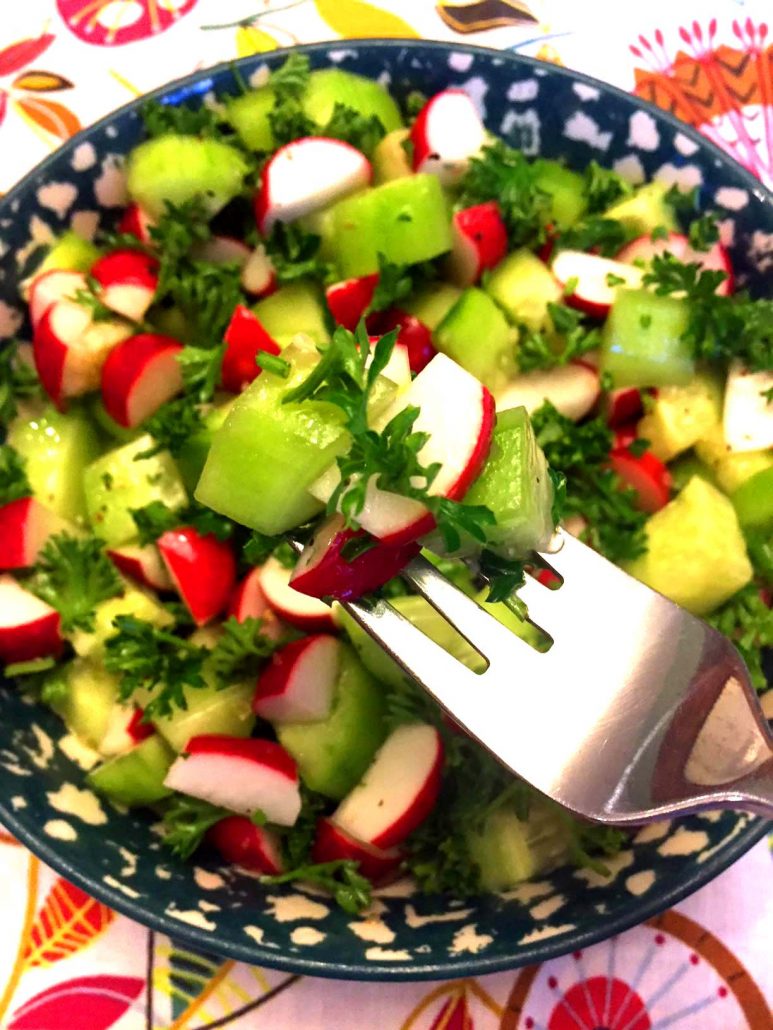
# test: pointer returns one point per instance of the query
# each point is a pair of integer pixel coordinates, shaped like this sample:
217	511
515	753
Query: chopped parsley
287	118
294	253
748	622
181	119
544	349
241	650
154	519
13	477
172	427
18	381
359	130
604	235
185	822
74	575
349	888
604	187
88	297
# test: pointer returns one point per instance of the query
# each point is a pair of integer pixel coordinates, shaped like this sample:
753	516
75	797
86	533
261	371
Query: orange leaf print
41	82
68	920
354	19
49	115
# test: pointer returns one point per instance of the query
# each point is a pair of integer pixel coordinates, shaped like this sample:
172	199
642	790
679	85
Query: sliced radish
323	571
203	570
575	525
573	389
70	349
140	375
623	405
350	299
142	564
258	274
446	134
244	338
479	242
645	474
29	628
398	791
249	602
332	844
306	175
136	222
128	281
244	844
125	729
412	334
25	526
223	250
642	250
299	682
49	287
241	775
625	436
748	415
590	282
307	613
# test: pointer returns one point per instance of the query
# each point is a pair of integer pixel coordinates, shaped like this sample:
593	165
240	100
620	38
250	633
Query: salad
375	331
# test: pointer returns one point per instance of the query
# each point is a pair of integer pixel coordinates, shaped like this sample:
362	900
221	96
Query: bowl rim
475	965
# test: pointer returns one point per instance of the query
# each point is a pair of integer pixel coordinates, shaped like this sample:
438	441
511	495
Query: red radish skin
412	334
299	610
596	280
446	134
25	526
242	843
398	791
349	300
125	729
623	405
142	564
240	775
323	571
625	436
332	844
49	287
572	389
645	474
244	338
128	281
249	602
135	222
299	682
479	242
140	375
258	274
643	249
306	175
202	568
29	628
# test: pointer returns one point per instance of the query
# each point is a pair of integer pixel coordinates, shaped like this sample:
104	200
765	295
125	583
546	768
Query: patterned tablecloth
67	961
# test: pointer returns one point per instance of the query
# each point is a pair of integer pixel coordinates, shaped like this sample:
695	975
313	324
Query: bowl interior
116	855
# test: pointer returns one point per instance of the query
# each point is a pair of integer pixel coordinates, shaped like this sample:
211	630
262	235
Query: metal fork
637	711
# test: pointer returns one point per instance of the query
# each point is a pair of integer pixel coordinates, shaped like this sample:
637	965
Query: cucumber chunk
120	481
641	343
523	286
209	709
111	430
266	454
514	484
175	169
248	114
685	542
390	158
432	303
70	252
367	97
292	309
333	754
136	777
753	501
407	220
192	456
680	416
644	211
134	601
509	850
566	189
56	449
91	694
685	467
477	336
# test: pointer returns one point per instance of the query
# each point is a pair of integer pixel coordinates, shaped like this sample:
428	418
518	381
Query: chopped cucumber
432	303
136	777
642	340
248	114
753	501
192	455
333	86
523	286
679	416
333	754
175	169
509	850
406	220
70	252
295	308
514	484
566	189
120	481
390	157
685	542
477	336
56	449
644	211
91	694
210	710
685	467
134	601
110	428
730	468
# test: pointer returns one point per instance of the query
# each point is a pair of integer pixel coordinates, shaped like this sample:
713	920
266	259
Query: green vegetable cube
642	341
477	336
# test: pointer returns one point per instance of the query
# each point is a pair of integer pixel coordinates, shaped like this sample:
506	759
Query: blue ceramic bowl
116	856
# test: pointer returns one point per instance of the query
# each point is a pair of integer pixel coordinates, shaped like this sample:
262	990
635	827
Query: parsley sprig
18	381
13	477
73	574
748	621
604	187
185	821
156	518
350	889
539	349
241	649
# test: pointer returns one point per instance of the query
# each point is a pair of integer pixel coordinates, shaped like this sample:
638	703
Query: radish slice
593	280
479	242
446	134
29	628
645	474
136	222
203	570
25	526
127	281
572	389
623	405
244	338
412	334
332	844
125	729
307	613
642	250
139	376
143	564
223	250
299	682
258	274
350	299
51	286
246	845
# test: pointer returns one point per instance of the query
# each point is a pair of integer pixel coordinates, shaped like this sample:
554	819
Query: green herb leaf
273	363
156	518
604	235
172	426
349	888
185	822
18	381
241	650
13	477
73	574
287	118
503	575
201	368
604	187
294	253
571	338
181	119
359	130
748	622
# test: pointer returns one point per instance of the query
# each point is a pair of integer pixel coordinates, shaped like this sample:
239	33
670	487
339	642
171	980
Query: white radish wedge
223	250
306	175
241	775
479	242
49	287
125	729
332	844
140	375
70	349
349	299
642	250
590	282
446	134
307	613
299	682
127	282
748	414
242	843
398	791
25	526
29	628
249	602
202	568
573	389
258	274
244	337
142	564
